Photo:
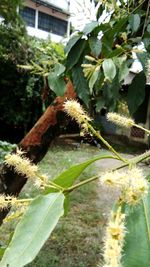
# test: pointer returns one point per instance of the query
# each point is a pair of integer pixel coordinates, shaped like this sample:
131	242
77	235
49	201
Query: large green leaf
75	53
56	84
136	92
109	69
143	57
68	177
94	78
137	242
134	21
80	84
111	93
100	103
56	80
146	40
111	32
95	45
59	69
121	63
33	230
90	27
72	42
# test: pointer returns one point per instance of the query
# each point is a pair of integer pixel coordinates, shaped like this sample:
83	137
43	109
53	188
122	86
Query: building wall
34	31
46	10
64	4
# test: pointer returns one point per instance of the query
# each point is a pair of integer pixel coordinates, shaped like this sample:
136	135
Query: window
28	15
51	24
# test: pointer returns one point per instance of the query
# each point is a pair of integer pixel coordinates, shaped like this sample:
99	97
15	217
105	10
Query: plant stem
24	200
146	18
50	184
135	160
94	132
137	7
140	158
71	188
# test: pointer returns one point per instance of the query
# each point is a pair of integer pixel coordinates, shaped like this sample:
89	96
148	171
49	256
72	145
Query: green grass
76	241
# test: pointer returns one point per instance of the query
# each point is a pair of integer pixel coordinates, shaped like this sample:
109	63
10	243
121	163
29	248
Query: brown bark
36	144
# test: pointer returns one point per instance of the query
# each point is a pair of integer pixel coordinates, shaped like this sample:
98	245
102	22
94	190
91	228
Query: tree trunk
35	144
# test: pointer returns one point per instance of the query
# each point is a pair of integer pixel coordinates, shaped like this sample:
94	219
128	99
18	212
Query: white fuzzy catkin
120	120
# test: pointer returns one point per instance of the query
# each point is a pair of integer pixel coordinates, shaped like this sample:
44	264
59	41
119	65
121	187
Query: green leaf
137	242
134	21
109	69
2	250
56	80
90	27
33	230
75	53
59	69
80	84
123	71
66	204
148	177
136	92
111	94
100	103
94	78
146	40
56	84
143	58
68	177
121	63
95	46
72	42
148	27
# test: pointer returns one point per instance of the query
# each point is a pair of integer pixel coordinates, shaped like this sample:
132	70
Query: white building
47	18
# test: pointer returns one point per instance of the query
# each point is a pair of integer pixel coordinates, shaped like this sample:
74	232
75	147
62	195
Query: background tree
100	56
9	12
25	92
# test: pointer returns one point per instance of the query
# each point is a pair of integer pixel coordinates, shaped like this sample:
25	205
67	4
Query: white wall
43	35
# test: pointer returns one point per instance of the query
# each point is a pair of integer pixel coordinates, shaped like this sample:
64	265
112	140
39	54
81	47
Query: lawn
76	241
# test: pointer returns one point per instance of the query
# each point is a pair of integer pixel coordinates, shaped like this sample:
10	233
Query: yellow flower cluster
114	239
132	183
41	181
21	164
135	187
5	200
74	109
113	179
120	120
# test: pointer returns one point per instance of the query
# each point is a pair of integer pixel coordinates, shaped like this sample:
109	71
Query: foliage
24	96
46	55
5	148
102	54
8	11
135	242
51	209
130	215
25	93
